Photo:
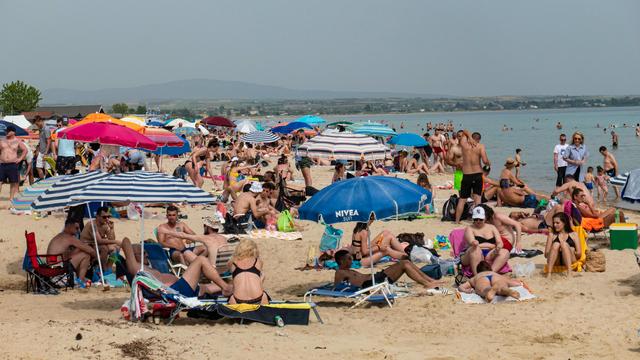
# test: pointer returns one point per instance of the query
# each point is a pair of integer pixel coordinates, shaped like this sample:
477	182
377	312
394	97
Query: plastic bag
524	269
421	255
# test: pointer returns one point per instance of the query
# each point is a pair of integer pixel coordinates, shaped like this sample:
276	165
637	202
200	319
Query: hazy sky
453	47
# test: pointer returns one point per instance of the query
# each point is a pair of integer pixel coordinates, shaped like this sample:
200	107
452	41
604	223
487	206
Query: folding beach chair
456	237
572	211
378	293
46	273
159	259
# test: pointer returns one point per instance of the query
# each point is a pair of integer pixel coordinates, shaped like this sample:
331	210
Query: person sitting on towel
391	274
248	277
488	283
187	285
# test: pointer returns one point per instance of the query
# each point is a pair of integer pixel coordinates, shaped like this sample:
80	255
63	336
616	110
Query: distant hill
202	89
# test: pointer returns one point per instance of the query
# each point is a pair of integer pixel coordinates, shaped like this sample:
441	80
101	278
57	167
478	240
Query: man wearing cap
44	146
246	206
12	152
64	151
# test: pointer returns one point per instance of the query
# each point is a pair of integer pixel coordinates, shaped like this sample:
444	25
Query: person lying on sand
72	249
248	277
391	274
187	285
536	223
488	283
514	192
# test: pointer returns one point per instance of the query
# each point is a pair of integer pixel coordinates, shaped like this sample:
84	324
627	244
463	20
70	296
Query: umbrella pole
373	278
95	241
142	237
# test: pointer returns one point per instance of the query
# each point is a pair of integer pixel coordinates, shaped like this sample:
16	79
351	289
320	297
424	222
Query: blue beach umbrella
311	120
373	129
408	139
155	122
360	198
5	124
291	127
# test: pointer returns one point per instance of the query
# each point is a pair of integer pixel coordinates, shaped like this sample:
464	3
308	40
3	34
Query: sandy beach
590	316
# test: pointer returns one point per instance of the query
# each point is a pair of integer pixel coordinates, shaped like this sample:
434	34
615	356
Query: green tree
18	96
120	108
141	109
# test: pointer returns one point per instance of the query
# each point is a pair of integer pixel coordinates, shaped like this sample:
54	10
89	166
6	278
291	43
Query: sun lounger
150	298
378	293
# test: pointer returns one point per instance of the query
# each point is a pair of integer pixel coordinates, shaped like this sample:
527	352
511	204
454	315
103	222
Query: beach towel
266	234
578	265
474	298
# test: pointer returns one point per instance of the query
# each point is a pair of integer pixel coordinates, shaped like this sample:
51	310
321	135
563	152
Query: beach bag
231	225
596	262
330	238
433	271
285	222
449	209
412	238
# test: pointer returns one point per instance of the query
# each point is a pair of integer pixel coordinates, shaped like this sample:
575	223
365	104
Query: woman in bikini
483	243
384	244
201	156
489	187
488	283
563	244
283	169
234	180
248	278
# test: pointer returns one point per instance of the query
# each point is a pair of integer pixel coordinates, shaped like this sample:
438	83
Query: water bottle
279	321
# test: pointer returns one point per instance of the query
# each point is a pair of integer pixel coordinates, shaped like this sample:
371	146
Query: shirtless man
246	205
614	140
437	144
454	159
212	241
570	184
178	250
105	236
391	274
473	156
610	166
9	160
72	249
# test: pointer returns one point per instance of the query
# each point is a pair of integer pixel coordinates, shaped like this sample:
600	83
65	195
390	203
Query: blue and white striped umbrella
343	146
143	187
257	137
59	194
619	180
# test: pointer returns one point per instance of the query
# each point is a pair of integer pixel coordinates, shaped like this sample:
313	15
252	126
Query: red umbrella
218	121
106	133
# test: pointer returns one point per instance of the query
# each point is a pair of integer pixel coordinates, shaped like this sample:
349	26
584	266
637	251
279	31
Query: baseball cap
478	213
256	187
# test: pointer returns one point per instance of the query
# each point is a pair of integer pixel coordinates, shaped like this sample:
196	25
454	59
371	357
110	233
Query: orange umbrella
104	118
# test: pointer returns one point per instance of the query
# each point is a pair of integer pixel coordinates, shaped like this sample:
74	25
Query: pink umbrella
162	137
106	133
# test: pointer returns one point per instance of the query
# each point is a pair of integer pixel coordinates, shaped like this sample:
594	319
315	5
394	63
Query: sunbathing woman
412	166
489	187
514	192
187	285
200	157
488	283
246	270
234	180
423	182
509	229
384	244
483	243
563	244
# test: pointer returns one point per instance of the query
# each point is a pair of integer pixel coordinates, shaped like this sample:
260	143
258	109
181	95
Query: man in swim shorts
454	159
474	155
178	251
610	166
10	147
437	144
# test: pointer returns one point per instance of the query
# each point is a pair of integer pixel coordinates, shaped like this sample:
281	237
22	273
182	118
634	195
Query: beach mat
474	298
271	234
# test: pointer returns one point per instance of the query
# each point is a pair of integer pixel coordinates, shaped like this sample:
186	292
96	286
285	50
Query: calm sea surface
534	131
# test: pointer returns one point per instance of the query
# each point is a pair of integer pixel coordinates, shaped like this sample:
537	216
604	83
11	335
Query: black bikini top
483	240
253	269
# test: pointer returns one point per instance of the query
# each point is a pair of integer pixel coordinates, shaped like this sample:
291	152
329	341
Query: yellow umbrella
134	120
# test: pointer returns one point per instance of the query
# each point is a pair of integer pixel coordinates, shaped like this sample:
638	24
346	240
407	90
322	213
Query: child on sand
588	179
489	283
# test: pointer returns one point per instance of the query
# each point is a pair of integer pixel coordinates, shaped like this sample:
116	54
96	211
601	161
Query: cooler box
623	236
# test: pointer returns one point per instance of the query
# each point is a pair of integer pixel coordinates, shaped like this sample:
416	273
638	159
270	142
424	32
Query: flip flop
439	291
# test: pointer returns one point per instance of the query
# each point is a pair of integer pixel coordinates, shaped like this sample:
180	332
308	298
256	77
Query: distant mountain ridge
203	89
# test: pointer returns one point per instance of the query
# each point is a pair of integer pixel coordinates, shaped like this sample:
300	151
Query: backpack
449	209
180	172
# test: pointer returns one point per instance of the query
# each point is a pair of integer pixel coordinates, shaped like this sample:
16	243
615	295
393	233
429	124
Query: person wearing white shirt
559	164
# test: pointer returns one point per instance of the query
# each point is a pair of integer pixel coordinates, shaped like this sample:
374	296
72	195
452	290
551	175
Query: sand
592	315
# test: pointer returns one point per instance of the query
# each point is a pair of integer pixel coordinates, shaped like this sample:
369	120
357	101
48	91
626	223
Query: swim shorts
589	185
471	184
437	149
457	179
379	277
530	201
592	224
183	287
305	162
611	172
9	173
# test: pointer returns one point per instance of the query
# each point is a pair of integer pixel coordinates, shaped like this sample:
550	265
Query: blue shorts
183	287
589	185
530	201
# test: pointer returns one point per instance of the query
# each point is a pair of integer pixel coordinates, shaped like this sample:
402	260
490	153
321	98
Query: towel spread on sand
474	298
265	234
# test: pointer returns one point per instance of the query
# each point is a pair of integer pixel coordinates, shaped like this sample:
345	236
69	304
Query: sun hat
509	162
478	213
256	187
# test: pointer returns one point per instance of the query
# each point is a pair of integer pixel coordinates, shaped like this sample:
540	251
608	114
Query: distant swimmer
638	130
505	128
402	125
614	140
559	126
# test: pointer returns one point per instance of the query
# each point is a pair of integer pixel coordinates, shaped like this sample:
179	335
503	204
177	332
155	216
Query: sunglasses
577	138
474	220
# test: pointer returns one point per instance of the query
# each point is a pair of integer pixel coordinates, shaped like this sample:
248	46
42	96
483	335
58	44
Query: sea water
534	131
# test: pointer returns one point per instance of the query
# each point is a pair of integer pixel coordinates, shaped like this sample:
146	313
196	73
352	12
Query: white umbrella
18	120
180	122
246	126
134	120
203	130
